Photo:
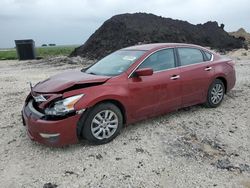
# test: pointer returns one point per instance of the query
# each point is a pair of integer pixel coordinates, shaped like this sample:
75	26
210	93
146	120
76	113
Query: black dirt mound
130	29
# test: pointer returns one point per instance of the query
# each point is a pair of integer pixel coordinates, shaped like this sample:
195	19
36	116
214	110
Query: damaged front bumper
50	132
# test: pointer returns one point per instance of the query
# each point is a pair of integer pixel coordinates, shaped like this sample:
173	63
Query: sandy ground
194	147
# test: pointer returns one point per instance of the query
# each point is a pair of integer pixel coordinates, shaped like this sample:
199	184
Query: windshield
115	63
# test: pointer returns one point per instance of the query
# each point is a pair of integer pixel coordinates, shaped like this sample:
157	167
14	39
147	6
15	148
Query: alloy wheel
104	124
217	93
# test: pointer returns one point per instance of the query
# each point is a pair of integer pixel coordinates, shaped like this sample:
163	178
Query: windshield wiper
91	73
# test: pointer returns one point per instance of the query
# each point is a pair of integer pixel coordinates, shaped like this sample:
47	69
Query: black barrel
25	49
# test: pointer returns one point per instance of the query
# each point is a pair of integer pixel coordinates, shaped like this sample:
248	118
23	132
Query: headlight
64	106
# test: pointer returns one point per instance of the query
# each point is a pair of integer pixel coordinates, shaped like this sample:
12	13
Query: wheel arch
117	103
223	79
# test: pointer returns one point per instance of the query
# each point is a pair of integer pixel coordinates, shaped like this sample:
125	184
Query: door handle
175	77
208	68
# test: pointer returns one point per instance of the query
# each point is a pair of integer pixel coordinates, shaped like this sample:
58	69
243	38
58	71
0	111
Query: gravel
193	147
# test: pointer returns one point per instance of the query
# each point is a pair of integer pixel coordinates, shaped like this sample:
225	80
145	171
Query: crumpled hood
66	80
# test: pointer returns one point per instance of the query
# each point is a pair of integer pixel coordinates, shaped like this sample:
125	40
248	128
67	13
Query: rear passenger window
190	56
161	60
208	55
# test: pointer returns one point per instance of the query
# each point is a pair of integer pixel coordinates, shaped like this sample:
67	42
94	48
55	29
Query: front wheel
215	94
103	124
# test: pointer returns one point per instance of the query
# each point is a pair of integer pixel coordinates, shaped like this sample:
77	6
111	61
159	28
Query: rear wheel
103	124
215	94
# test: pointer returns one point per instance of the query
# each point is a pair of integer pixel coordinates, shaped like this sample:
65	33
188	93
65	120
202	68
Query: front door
160	92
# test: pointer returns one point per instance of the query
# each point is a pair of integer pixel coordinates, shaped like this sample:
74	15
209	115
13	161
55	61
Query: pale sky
73	21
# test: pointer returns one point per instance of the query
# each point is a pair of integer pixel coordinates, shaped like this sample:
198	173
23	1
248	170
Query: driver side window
161	60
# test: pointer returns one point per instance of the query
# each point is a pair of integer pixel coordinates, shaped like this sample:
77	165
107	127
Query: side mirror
144	72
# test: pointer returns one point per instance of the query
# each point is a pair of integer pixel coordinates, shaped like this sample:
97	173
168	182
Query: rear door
160	92
196	75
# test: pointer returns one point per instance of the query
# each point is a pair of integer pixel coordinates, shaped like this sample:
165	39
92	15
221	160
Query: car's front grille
40	105
36	106
33	110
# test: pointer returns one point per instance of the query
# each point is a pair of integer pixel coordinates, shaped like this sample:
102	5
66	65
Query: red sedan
126	86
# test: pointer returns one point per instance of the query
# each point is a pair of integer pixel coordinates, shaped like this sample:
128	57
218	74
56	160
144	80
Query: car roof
153	46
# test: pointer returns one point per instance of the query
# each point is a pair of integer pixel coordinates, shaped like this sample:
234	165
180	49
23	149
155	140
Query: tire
102	124
215	94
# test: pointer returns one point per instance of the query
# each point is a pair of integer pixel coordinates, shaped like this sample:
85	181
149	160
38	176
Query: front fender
97	94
